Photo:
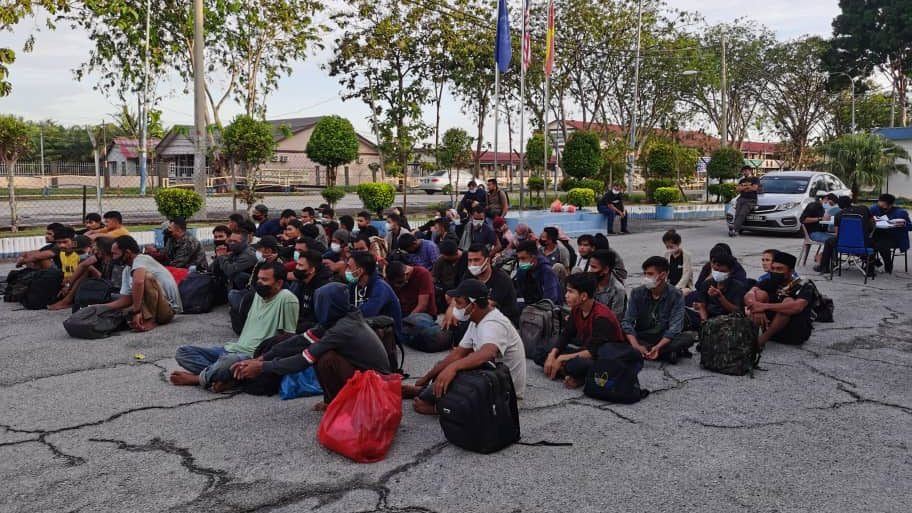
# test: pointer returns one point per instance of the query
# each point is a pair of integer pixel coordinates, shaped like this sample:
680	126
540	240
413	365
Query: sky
44	86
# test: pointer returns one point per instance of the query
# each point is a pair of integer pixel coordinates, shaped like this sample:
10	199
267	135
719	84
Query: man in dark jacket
535	279
339	345
234	261
309	275
369	292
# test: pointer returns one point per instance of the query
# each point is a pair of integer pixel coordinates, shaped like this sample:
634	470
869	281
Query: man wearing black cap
781	305
490	337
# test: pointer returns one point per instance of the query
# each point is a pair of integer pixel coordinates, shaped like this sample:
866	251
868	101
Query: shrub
582	157
655	183
536	183
725	163
636	197
377	197
332	195
569	183
726	191
581	197
665	195
175	202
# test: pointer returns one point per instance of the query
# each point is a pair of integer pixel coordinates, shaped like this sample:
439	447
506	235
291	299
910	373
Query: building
898	184
122	156
289	165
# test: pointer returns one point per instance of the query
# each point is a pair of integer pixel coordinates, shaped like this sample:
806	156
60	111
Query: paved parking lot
84	426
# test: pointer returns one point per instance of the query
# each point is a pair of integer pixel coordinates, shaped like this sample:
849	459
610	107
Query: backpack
539	324
238	318
572	252
822	307
385	329
96	321
17	284
479	412
613	375
197	292
728	345
92	291
43	289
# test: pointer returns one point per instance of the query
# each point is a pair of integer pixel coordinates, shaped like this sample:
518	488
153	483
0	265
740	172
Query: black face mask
237	248
301	275
777	279
263	290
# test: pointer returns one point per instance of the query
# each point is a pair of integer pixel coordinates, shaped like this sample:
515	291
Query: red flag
526	38
549	40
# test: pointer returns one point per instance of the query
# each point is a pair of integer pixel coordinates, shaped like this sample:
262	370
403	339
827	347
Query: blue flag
503	49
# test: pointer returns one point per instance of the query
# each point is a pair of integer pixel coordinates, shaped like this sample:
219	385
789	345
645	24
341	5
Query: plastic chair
806	247
904	253
852	241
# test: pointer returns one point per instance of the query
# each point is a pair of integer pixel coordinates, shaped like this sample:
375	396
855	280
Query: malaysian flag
549	40
526	38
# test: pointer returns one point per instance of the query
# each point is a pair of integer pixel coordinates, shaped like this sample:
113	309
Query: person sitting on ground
312	234
339	247
896	237
220	235
309	275
503	234
781	306
41	258
370	293
250	227
148	290
414	287
447	271
294	230
311	228
478	231
535	279
501	292
585	245
825	257
394	231
766	260
609	290
681	273
99	263
718	295
602	243
91	222
813	213
719	249
326	217
489	337
442	230
403	220
523	233
66	257
590	325
235	221
654	320
553	250
265	226
339	345
181	249
420	252
274	309
113	227
234	261
347	222
364	224
267	253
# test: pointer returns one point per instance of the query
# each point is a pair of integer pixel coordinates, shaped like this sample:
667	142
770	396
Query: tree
725	163
455	152
11	12
535	151
128	123
871	35
614	160
799	98
582	155
333	143
864	159
660	160
248	142
872	110
14	142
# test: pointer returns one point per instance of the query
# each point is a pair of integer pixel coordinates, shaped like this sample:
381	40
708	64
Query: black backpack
17	284
198	293
479	412
92	291
385	328
239	317
43	289
822	307
572	252
613	375
96	321
728	345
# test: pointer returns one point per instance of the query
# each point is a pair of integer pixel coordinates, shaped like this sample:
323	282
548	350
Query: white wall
899	184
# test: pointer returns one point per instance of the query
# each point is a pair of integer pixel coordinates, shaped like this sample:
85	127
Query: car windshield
441	173
784	184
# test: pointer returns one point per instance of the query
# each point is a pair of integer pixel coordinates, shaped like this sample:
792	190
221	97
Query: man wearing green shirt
274	309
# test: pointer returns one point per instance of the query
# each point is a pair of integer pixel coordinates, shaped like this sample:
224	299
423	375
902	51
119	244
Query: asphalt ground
85	426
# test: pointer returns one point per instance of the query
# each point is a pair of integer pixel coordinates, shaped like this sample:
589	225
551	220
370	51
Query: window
283	159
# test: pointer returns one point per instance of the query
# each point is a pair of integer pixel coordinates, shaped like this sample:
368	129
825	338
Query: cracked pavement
823	427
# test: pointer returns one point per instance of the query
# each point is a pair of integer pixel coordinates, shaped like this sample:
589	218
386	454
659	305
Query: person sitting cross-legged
591	324
489	337
654	321
781	305
720	294
370	293
609	290
181	249
309	274
274	309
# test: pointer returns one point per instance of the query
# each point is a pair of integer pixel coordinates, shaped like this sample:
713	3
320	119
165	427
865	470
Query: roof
898	133
129	148
487	157
294	125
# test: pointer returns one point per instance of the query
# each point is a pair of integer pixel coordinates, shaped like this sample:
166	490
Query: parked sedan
783	197
435	183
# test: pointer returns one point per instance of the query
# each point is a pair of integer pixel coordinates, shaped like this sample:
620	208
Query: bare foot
424	407
320	406
146	326
221	386
410	391
571	382
184	378
60	305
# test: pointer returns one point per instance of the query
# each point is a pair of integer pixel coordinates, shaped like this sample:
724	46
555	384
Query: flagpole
545	125
496	112
522	114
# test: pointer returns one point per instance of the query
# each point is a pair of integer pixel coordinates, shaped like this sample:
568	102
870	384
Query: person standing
748	189
497	203
612	205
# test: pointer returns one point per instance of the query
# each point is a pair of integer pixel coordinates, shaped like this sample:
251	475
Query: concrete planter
664	212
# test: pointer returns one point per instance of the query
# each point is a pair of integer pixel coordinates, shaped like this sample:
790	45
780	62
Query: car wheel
430	192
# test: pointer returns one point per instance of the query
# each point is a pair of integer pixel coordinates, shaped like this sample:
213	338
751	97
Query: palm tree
864	159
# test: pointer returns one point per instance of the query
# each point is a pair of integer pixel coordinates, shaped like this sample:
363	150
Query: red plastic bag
556	205
361	422
178	273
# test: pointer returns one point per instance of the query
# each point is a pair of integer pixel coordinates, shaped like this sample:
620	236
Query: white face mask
335	247
476	270
389	227
649	282
477	222
719	276
297	255
460	314
356	230
616	191
260	257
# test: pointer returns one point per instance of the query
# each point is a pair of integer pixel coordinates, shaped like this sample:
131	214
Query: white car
783	197
435	183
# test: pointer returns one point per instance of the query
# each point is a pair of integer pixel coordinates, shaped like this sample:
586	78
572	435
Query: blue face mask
350	277
525	266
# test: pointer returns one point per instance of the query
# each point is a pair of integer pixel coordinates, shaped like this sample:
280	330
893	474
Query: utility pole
724	91
97	170
43	182
144	113
199	104
631	157
373	107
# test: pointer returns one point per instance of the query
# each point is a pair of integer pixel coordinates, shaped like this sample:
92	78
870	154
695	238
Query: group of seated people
307	286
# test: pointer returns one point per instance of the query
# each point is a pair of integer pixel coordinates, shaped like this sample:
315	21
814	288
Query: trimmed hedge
332	195
581	197
377	197
665	195
655	183
177	202
726	191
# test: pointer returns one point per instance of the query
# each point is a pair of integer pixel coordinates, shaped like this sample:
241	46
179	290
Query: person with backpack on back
654	321
781	306
341	343
496	203
590	325
490	337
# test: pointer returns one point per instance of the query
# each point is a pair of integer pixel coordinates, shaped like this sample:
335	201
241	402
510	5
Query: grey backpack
539	325
96	321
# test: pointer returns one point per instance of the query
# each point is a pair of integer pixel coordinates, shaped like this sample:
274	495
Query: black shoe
625	232
610	233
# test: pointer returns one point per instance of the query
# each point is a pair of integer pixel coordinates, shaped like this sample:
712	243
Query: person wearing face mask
394	230
718	295
721	248
338	247
654	321
266	253
501	292
414	288
266	226
447	272
489	337
609	290
781	305
309	275
420	252
681	262
234	261
535	279
370	293
339	345
274	309
894	238
474	196
478	231
611	205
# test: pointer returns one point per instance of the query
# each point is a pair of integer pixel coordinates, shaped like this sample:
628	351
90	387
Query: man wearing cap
781	305
420	252
490	337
